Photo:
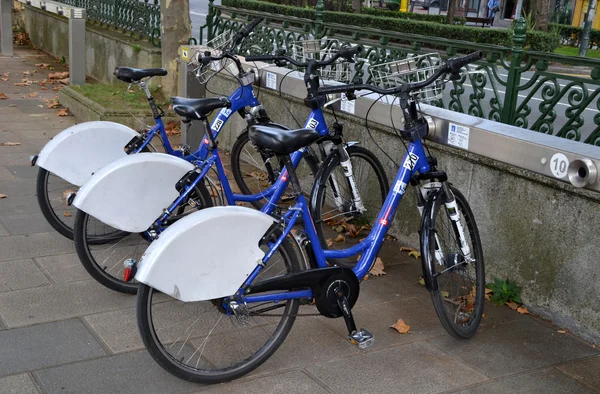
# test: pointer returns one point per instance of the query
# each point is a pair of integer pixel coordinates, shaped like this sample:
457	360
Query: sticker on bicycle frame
271	80
410	162
185	54
226	112
559	164
400	187
458	136
347	105
312	124
218	124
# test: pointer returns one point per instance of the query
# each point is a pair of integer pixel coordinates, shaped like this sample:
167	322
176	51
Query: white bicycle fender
77	152
206	255
131	193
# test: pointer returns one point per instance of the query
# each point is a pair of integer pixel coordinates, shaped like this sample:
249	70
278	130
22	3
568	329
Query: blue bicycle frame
414	161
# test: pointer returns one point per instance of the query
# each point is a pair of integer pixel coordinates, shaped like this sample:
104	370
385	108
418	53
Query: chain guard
325	295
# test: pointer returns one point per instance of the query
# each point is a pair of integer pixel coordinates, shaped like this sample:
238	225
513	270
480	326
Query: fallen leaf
3	96
407	249
43	88
3	196
329	242
415	254
67	192
58	75
13	105
21	83
63	112
26	73
594	346
57	88
352	230
378	267
173	128
33	94
339	229
9	143
4	79
562	331
512	305
488	293
64	81
42	65
67	214
483	315
444	294
522	310
401	327
340	238
421	281
53	103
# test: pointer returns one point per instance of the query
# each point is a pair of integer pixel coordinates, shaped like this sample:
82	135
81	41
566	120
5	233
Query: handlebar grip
337	89
348	52
455	64
261	58
252	25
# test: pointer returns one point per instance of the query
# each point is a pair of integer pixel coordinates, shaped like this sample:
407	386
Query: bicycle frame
414	161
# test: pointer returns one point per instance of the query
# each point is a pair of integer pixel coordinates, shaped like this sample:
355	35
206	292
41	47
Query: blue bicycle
113	263
201	334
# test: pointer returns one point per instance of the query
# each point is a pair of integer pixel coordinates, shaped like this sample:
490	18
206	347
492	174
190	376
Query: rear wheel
51	193
457	270
202	342
105	262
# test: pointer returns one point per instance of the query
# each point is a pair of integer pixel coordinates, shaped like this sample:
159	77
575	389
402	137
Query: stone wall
541	233
105	48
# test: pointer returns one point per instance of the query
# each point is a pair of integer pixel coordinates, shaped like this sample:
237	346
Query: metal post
6	37
319	19
191	134
209	22
76	48
514	74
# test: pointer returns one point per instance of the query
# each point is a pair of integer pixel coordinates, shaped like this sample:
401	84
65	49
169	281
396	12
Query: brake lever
454	77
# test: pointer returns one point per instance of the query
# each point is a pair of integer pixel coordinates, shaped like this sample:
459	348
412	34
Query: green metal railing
140	18
514	86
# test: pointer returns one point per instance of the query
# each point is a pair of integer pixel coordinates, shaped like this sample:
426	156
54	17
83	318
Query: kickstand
361	338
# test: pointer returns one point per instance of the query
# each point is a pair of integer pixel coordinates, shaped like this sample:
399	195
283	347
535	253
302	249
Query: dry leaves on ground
173	128
401	327
58	75
64	81
9	143
22	83
488	293
52	103
378	267
329	242
63	112
411	252
42	65
3	96
3	196
562	331
340	238
513	305
421	281
33	94
522	310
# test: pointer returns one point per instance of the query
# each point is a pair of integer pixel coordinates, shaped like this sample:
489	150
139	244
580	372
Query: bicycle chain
282	314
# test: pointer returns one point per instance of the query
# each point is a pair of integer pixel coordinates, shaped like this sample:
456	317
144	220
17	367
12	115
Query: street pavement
61	332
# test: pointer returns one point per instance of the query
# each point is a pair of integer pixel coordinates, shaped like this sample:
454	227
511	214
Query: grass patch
118	97
573	51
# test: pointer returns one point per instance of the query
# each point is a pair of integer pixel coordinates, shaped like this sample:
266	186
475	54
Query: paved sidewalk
61	332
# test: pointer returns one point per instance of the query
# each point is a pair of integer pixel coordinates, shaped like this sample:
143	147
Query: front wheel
451	248
204	341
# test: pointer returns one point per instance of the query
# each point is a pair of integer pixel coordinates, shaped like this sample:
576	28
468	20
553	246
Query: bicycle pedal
362	338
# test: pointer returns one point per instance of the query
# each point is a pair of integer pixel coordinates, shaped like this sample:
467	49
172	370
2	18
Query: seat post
287	162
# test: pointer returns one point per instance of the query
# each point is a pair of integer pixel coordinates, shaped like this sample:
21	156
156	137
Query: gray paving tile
288	382
6	175
126	373
587	371
45	345
3	231
414	368
23	171
35	245
57	302
18	384
547	381
20	274
23	204
18	187
26	223
118	329
516	347
63	268
9	136
9	157
418	313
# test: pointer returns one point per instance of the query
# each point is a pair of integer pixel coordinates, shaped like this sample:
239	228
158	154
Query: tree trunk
587	28
451	11
175	30
356	5
542	11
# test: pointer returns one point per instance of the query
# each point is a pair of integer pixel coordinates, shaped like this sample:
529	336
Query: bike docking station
188	86
562	159
76	17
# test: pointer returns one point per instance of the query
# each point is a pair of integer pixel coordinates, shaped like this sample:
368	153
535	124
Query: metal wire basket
304	50
204	72
413	69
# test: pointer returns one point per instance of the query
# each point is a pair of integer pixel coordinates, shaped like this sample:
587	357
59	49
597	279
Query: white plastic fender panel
77	152
132	192
206	255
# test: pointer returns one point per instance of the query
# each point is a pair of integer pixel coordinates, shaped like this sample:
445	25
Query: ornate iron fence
513	86
138	17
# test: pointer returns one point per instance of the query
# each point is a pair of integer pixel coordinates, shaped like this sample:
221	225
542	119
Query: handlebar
247	30
344	52
452	66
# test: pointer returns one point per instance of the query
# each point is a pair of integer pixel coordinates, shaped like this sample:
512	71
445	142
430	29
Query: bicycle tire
238	174
177	368
318	195
428	244
87	259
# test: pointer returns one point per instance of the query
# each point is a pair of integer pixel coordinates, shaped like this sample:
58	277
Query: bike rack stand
76	18
189	87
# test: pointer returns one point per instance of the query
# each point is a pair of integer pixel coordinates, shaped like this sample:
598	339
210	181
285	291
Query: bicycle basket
413	69
304	50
